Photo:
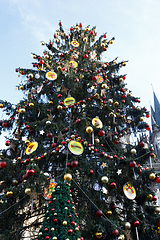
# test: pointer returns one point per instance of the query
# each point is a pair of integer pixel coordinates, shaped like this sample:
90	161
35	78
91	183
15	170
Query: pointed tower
155	122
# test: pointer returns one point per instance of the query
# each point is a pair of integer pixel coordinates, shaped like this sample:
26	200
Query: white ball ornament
104	179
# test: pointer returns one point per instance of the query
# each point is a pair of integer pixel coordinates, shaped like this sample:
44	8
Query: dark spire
156	109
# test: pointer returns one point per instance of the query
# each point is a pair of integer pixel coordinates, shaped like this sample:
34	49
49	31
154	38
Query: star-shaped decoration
103	93
129	121
119	171
24	139
128	234
60	136
104	190
64	89
92	87
84	105
41	132
12	146
109	134
104	165
58	89
50	117
1	201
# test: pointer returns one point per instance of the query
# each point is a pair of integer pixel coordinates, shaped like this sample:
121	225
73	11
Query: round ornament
69	101
129	191
98	213
97	122
152	176
48	190
104	179
31	147
73	64
3	164
68	177
99	235
37	76
133	151
51	75
99	79
39	89
27	191
75	147
127	225
89	129
157	179
74	43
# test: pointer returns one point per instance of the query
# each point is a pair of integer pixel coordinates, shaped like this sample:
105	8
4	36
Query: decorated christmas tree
60	219
75	122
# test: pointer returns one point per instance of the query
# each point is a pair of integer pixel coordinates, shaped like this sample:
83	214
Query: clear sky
134	24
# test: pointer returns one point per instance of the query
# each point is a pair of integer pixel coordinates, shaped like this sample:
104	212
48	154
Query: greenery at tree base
75	122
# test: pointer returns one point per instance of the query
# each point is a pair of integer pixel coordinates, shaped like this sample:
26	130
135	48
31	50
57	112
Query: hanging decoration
97	122
69	101
31	147
75	147
49	189
51	75
74	43
129	191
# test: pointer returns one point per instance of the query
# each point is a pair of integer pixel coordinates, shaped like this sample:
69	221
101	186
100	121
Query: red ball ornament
5	124
157	179
101	133
136	223
124	96
68	164
25	176
132	164
115	232
54	145
141	144
113	185
3	164
27	126
91	171
47	237
60	24
46	229
74	164
147	115
7	143
158	223
98	213
30	172
116	141
73	223
148	128
154	198
70	231
94	78
113	207
104	35
78	120
49	135
80	25
55	220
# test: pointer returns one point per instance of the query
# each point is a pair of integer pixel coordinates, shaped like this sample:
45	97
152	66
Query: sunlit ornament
68	177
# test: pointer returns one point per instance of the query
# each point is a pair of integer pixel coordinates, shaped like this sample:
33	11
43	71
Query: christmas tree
75	122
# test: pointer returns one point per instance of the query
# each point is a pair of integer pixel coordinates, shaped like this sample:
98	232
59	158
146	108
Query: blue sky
134	24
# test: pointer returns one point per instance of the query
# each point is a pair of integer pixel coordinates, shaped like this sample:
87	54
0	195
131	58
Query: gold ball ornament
1	105
116	103
104	179
27	191
64	223
68	177
120	79
21	87
152	176
34	56
30	75
121	237
59	107
52	229
14	182
110	101
141	119
104	86
27	142
133	151
85	39
150	197
127	225
40	234
50	102
9	194
157	209
22	110
102	45
124	64
54	238
109	213
76	229
111	42
46	56
42	43
99	235
31	105
59	68
89	129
